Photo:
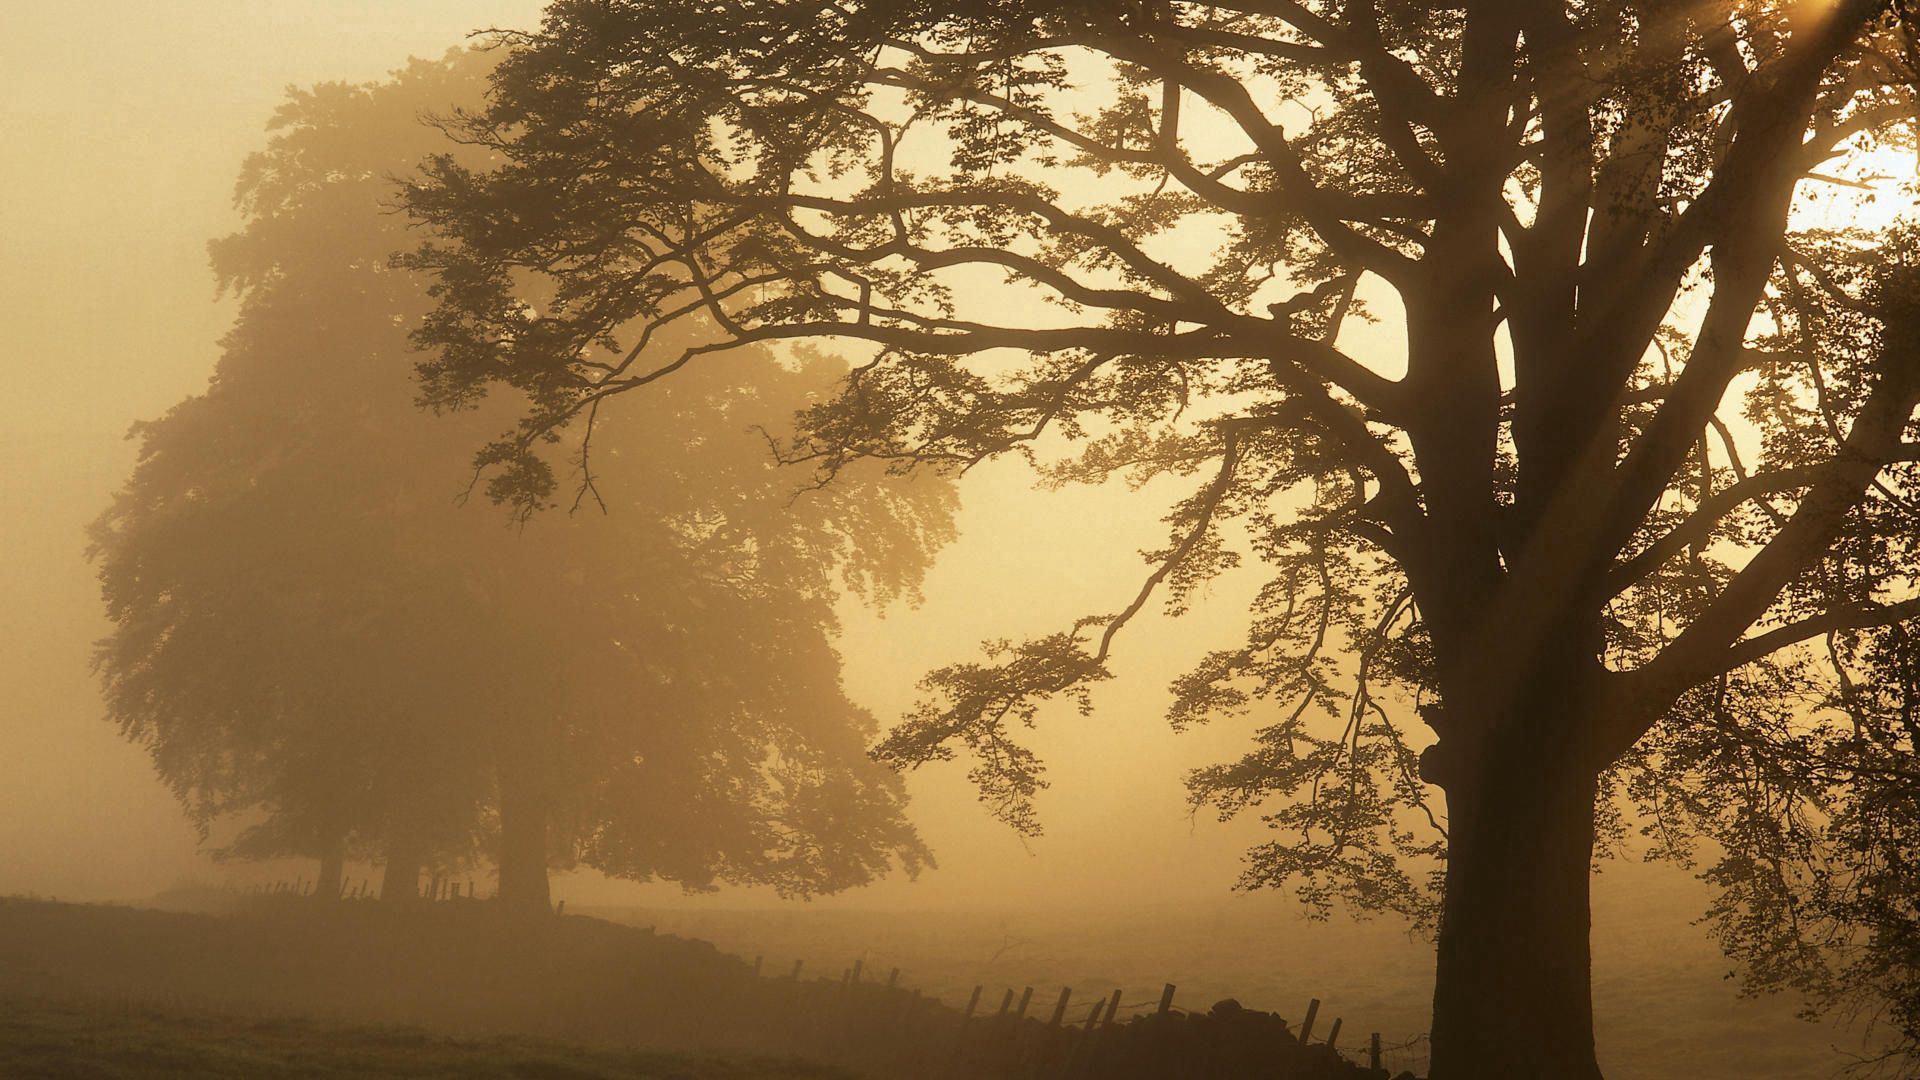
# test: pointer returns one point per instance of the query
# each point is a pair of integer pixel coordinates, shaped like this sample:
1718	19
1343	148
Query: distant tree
1538	518
314	641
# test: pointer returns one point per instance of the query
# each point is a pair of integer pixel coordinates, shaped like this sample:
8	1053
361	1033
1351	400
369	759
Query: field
1665	1006
110	991
105	1040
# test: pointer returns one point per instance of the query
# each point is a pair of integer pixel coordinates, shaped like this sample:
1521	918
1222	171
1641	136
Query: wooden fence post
972	1003
1113	1008
1006	1002
756	965
1166	999
1373	1052
1025	996
1333	1033
856	970
796	969
1080	1050
1060	1007
893	977
1306	1026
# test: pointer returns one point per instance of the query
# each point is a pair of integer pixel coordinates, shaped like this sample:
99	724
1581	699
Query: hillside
122	1040
95	985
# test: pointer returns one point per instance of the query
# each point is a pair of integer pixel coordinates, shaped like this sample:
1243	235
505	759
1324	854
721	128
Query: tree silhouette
1531	501
317	643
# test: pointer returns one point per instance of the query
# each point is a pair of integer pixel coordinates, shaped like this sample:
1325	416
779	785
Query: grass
441	990
104	1040
212	989
1663	1004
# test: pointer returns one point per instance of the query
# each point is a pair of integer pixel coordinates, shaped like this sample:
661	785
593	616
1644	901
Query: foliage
314	637
1629	506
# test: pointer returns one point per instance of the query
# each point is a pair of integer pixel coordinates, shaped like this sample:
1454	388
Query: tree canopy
320	646
1614	498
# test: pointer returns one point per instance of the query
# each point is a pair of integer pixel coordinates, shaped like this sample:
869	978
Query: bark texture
1512	993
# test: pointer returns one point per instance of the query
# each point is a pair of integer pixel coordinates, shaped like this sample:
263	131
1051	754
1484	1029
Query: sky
125	125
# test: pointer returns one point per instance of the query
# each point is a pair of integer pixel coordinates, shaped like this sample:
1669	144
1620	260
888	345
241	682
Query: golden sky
124	125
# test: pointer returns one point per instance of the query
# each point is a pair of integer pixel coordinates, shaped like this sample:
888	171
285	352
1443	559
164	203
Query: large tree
318	643
1618	492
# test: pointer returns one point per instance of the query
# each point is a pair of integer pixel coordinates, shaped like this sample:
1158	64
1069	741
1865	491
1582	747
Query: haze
125	125
121	170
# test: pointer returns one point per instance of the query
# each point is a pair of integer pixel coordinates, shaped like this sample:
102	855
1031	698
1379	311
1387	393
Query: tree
271	600
313	639
1536	516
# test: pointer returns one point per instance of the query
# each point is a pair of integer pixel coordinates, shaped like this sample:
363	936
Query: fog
121	169
121	164
124	128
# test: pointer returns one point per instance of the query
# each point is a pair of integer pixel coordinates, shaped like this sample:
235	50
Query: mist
118	183
126	128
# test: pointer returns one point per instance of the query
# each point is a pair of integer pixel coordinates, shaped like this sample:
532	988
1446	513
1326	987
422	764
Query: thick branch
1853	617
1701	650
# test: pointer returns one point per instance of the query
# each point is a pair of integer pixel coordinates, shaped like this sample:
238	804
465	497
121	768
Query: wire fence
882	1026
1023	1033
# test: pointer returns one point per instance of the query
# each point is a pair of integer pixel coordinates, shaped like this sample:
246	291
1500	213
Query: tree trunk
523	841
1512	993
333	867
400	881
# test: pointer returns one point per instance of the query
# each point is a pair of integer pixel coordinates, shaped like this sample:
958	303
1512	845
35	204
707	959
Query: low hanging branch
974	703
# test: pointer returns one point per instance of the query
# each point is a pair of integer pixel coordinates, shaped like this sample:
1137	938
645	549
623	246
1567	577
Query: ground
105	1040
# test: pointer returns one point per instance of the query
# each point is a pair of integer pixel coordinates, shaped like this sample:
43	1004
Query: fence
882	1027
436	888
878	1026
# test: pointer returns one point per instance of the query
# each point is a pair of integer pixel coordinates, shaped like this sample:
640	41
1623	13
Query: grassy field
1664	1004
101	1040
124	992
83	982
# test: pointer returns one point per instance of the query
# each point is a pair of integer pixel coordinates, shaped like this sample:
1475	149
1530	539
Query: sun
1871	187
